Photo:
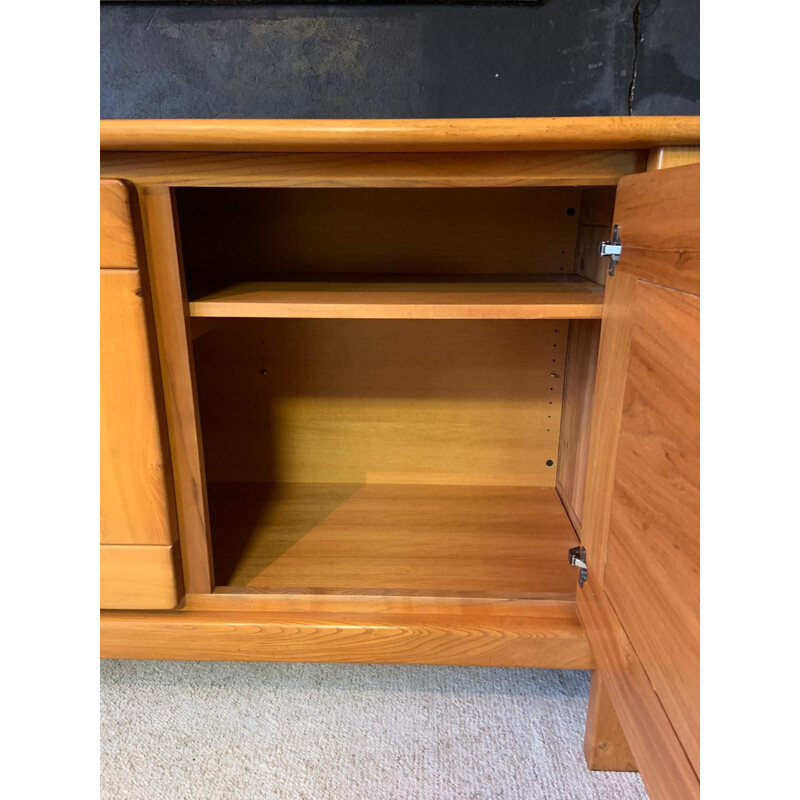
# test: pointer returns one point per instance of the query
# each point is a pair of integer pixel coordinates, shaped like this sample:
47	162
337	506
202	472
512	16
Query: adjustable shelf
411	297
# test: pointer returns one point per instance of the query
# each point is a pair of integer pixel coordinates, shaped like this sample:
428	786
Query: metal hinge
577	558
611	250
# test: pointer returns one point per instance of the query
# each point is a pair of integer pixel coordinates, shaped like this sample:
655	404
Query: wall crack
637	37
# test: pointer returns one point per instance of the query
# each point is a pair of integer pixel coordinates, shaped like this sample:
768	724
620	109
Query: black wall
560	57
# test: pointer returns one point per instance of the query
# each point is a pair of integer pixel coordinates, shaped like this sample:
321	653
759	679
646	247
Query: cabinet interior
394	385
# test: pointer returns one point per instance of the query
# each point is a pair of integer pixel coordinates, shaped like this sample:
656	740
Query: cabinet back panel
382	401
446	231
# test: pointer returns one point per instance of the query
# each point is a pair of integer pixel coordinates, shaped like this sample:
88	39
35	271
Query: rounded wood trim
394	135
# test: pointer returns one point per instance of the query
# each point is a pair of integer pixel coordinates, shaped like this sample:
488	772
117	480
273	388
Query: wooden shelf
391	539
423	297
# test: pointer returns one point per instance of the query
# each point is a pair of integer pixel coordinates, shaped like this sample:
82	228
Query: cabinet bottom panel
381	539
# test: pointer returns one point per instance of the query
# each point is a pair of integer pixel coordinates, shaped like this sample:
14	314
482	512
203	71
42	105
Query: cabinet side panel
594	226
177	371
576	416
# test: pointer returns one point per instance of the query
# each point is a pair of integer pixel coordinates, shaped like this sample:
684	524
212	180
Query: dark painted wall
563	57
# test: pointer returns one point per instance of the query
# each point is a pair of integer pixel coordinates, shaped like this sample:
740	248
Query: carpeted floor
213	731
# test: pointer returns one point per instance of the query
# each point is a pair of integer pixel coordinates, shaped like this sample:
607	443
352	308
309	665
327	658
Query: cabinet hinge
611	250
577	558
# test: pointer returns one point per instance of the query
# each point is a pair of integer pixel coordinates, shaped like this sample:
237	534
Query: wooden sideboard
366	383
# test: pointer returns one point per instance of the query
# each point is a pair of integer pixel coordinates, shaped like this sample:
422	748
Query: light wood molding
604	745
459	639
387	135
139	577
494	604
374	170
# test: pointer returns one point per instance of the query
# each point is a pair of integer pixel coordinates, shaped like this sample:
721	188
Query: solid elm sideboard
370	393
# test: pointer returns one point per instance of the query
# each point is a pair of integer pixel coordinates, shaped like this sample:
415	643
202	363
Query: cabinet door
641	603
137	531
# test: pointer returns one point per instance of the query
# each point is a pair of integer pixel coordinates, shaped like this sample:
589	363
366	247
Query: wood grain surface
595	225
641	527
604	745
175	358
576	417
659	219
139	576
117	235
398	232
135	480
674	156
666	771
426	297
379	170
382	401
373	538
463	640
342	135
653	561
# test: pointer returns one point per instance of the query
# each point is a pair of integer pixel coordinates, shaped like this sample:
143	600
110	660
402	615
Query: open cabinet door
640	605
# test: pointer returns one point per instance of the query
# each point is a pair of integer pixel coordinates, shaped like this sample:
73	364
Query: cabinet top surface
387	135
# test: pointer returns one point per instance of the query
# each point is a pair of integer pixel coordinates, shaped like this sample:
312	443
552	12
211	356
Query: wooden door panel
653	559
659	219
640	606
657	751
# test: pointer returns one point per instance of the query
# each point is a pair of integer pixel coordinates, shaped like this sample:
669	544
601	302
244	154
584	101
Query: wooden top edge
389	135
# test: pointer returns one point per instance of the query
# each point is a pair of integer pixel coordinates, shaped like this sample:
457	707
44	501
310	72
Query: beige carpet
213	731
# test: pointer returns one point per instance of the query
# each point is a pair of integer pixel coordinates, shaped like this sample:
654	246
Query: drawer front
117	232
138	577
134	484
